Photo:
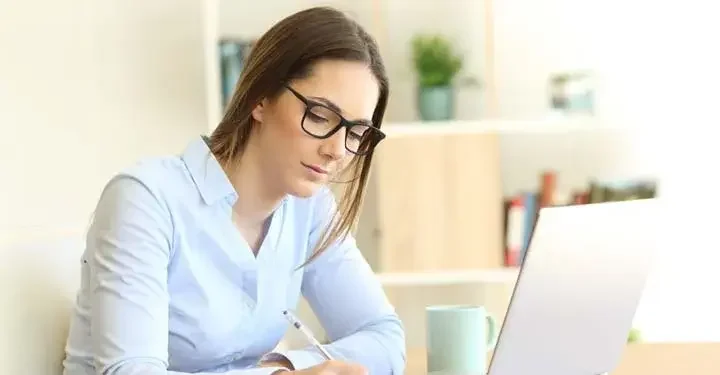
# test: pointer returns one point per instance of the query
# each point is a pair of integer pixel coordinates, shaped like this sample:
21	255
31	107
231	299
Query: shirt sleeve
351	305
130	242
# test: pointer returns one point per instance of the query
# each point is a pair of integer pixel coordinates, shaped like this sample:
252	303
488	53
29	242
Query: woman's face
294	161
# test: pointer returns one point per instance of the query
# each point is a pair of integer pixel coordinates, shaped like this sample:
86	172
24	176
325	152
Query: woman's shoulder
158	173
162	178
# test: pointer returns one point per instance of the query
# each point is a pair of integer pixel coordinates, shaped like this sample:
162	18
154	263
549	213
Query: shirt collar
209	177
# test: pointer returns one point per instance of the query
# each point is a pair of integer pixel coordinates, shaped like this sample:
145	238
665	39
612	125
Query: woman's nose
334	146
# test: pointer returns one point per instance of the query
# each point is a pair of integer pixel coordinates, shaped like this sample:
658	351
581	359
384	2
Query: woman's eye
316	118
358	132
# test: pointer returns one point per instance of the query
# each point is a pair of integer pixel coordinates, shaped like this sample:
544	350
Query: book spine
515	231
530	202
548	188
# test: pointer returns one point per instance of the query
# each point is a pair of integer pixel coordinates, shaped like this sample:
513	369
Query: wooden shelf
488	276
532	126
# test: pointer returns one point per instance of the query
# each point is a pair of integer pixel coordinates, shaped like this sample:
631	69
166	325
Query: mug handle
492	332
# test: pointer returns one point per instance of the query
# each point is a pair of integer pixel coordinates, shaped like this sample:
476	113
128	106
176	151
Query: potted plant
436	64
634	336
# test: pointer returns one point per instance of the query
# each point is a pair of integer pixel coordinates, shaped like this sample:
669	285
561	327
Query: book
233	55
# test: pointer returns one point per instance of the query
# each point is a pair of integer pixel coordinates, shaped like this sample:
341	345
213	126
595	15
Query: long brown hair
286	52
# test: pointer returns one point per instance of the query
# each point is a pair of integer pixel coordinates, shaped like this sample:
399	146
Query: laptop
573	304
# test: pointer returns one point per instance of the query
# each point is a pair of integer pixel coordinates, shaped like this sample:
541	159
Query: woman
191	260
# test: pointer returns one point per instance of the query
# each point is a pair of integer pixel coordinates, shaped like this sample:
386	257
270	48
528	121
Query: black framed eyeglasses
321	121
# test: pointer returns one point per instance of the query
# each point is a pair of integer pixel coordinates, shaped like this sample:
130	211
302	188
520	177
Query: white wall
236	20
681	300
85	89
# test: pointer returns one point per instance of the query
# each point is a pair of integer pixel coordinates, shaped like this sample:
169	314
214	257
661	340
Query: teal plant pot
436	103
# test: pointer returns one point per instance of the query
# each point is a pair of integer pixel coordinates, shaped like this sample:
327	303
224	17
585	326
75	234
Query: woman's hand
284	362
330	368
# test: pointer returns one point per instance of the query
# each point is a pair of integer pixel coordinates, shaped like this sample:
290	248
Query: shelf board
547	125
486	276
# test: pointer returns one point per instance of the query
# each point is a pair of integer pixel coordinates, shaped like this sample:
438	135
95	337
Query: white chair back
38	282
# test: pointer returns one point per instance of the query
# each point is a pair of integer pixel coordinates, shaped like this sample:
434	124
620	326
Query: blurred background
542	102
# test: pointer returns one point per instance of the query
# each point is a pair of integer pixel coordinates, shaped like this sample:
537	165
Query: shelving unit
431	226
430	179
549	125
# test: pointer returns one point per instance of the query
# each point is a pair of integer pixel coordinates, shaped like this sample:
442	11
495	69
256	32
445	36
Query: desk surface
638	359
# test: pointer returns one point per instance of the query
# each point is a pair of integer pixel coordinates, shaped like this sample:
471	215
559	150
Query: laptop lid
578	289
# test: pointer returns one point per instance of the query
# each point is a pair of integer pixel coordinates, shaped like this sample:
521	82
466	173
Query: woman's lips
316	168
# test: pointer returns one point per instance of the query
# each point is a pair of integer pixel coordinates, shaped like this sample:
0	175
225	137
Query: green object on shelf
436	103
435	61
436	65
634	336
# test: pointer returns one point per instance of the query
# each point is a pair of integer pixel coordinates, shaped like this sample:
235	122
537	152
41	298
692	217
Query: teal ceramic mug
459	338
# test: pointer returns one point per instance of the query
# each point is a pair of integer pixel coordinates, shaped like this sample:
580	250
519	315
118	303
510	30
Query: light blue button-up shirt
169	286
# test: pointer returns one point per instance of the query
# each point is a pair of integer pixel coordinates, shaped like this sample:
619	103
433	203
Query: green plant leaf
434	60
634	336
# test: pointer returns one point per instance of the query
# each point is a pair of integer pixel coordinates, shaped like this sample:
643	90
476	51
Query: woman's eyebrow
329	103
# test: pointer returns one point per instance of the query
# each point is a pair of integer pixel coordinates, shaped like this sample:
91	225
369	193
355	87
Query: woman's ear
258	111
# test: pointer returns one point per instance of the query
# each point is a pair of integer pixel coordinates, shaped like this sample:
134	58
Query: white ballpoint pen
295	322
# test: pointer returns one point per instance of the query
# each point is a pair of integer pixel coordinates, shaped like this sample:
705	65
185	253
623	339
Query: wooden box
434	203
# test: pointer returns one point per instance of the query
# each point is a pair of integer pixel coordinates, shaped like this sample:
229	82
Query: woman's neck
258	195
